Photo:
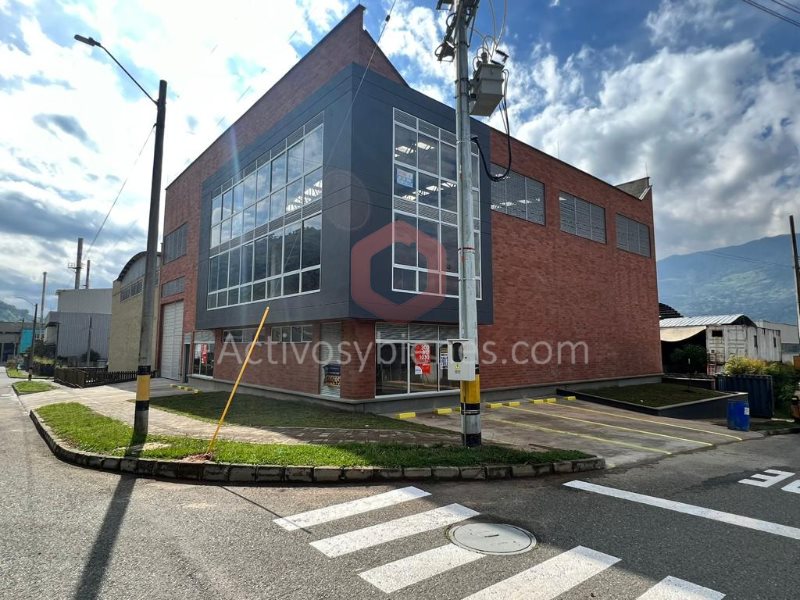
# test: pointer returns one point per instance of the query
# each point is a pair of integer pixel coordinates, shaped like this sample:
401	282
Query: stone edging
238	473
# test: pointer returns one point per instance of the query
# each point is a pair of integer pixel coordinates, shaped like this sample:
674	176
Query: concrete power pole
44	287
78	264
88	268
796	269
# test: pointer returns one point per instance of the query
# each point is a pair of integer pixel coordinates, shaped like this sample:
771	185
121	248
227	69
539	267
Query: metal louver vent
391	331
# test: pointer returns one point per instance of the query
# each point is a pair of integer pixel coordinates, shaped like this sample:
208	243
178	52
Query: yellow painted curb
406	415
513	403
571	398
494	404
443	411
552	400
537	401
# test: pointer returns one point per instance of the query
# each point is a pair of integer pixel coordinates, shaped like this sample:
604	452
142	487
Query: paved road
74	533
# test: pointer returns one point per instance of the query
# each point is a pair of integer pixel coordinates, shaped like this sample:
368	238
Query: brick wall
553	287
347	43
359	383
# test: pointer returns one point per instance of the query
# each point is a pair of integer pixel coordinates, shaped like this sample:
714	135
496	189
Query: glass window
225	231
312	150
392	375
262	182
249	219
222	281
312	229
247	264
277	204
295	161
216	209
428	189
249	187
297	333
294	196
233	296
449	196
279	172
275	253
236	225
259	291
213	273
260	259
449	168
211	302
308	333
291	284
428	149
430	229
286	334
313	186
450	245
262	213
238	197
405	183
234	265
227	204
405	254
274	288
215	231
245	293
310	280
275	334
203	361
405	145
222	299
291	248
405	280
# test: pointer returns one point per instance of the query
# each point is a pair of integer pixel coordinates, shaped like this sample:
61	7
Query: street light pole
140	422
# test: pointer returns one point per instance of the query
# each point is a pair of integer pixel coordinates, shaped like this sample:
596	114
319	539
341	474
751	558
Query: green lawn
265	412
16	373
655	394
32	387
87	430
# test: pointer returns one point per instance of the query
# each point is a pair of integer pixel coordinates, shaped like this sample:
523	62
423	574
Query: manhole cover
492	538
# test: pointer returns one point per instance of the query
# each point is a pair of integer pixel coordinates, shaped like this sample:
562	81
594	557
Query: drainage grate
492	538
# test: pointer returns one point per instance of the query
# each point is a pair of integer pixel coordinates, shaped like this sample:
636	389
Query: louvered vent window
633	236
518	196
582	218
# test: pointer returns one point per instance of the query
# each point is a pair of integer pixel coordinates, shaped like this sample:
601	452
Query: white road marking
348	509
413	569
672	588
690	509
771	477
793	487
551	578
393	530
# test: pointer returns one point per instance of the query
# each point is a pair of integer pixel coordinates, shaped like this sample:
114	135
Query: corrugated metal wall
73	334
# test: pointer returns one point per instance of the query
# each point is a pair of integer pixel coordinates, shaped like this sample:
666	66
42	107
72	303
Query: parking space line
689	509
349	509
672	588
410	570
604	412
375	535
642	431
551	578
585	435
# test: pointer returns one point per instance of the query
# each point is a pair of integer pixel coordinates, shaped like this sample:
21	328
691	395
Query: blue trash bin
739	415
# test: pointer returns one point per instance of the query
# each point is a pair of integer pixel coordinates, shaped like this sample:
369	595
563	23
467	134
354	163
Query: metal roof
708	320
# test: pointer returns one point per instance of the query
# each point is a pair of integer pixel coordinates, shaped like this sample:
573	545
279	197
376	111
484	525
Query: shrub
784	384
689	358
743	365
11	365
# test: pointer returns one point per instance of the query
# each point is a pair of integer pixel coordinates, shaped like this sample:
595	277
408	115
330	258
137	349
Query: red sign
422	354
426	368
204	354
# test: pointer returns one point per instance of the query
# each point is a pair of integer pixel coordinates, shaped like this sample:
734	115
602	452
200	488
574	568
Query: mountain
12	313
755	278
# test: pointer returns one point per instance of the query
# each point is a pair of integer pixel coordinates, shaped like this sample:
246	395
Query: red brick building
332	200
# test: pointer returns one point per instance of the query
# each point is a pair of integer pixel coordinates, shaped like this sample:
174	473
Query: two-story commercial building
332	201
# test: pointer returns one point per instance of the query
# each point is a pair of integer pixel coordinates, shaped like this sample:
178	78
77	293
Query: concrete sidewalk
115	401
621	437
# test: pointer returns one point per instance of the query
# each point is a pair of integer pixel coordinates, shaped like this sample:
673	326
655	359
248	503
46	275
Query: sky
703	96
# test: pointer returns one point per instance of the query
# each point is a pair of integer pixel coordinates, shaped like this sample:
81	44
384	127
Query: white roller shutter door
171	338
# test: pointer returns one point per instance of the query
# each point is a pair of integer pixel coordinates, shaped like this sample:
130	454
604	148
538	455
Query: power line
774	13
746	259
119	193
791	7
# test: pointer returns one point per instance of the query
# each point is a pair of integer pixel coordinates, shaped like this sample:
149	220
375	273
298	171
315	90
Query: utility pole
796	269
458	35
77	266
44	286
33	341
88	268
89	345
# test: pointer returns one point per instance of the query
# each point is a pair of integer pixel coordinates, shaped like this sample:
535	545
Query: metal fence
88	377
758	388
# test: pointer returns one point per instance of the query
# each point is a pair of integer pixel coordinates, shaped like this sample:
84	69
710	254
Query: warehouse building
332	201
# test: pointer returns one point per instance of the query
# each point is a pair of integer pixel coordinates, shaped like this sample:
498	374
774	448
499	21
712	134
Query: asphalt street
68	532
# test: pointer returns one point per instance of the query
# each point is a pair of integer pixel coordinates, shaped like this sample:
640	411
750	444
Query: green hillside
12	313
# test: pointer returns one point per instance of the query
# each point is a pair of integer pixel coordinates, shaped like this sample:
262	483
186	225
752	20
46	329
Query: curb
785	431
218	473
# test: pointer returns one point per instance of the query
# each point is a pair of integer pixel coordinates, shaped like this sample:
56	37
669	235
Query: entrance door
171	340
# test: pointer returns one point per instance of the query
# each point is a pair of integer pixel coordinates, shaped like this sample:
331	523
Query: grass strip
256	411
87	430
16	374
31	387
656	395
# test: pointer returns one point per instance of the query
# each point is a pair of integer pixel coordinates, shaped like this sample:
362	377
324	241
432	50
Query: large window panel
449	195
249	218
312	150
294	196
236	225
428	189
312	229
249	189
247	263
234	264
216	209
260	259
450	244
294	167
449	168
291	248
404	253
313	186
279	171
222	281
430	229
405	146
428	154
405	183
213	273
262	213
310	280
277	204
227	204
275	254
262	181
238	197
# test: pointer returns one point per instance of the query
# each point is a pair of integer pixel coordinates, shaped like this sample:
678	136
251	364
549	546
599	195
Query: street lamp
33	333
149	288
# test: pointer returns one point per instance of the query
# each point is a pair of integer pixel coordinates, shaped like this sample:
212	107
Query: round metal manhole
492	538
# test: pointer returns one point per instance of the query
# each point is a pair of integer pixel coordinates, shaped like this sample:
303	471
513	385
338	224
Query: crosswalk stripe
402	573
393	530
672	588
348	509
551	578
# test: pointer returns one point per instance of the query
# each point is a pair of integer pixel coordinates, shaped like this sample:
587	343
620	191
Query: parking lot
621	437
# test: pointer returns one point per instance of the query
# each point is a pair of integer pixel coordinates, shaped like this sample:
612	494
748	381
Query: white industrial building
723	336
790	340
81	322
